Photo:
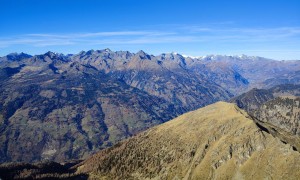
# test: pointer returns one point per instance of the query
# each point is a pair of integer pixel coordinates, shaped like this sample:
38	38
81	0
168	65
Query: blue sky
269	28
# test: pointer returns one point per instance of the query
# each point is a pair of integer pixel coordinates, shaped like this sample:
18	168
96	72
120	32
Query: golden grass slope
219	141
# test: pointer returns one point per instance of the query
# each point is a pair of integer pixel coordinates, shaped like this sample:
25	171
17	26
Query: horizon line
152	54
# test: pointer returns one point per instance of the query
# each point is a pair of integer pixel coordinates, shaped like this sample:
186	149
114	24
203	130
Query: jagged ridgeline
60	107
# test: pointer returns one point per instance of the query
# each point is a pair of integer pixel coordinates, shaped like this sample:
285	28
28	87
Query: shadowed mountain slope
254	98
283	112
281	116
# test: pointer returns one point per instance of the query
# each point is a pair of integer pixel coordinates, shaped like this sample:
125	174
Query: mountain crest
52	55
142	55
17	56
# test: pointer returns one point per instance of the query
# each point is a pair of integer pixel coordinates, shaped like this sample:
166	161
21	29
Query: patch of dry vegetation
219	141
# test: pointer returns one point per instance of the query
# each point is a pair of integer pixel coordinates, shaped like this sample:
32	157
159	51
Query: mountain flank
276	109
219	141
253	99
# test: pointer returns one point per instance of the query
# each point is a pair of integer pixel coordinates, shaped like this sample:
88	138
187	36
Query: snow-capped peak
193	57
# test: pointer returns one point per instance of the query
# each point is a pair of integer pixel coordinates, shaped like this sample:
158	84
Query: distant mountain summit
15	57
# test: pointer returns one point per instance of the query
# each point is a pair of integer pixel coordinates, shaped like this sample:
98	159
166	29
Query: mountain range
60	107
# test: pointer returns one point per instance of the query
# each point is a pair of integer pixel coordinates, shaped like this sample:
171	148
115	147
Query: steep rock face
219	141
282	112
281	116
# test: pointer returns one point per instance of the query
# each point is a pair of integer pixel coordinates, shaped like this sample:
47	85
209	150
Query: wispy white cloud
248	33
114	37
183	34
40	42
102	34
